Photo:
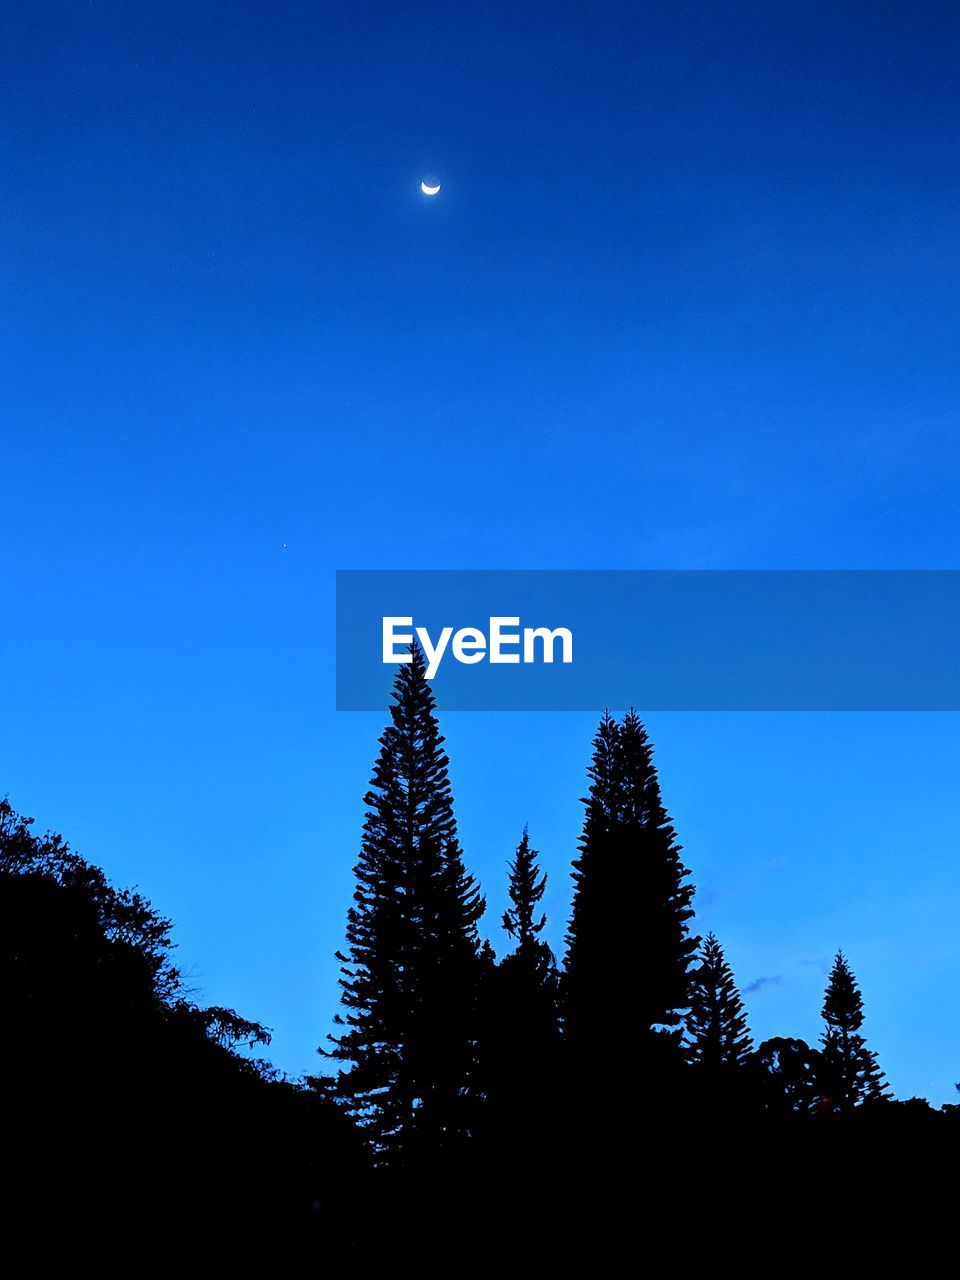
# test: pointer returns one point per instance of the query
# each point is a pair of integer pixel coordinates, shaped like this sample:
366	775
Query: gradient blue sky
689	298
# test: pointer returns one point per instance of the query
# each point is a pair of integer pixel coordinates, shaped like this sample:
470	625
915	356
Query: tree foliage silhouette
411	973
849	1074
718	1040
121	1085
142	1100
786	1077
628	945
521	1027
526	888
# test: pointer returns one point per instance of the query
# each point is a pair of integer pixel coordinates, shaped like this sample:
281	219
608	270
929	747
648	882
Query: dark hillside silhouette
120	1096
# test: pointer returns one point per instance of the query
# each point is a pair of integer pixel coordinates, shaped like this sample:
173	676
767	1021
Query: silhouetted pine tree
527	887
628	945
529	976
717	1035
849	1074
521	1034
409	981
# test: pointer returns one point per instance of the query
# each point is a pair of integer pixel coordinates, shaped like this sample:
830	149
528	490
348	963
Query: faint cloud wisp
774	980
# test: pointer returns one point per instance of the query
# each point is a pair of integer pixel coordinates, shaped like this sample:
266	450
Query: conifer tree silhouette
849	1074
410	976
628	944
527	887
528	977
520	1037
717	1035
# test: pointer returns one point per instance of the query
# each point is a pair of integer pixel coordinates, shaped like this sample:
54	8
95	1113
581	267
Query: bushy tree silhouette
786	1077
848	1073
718	1042
626	980
120	1098
411	972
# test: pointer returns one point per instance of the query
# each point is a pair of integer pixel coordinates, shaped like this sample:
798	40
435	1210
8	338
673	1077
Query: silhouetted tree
786	1076
849	1074
410	977
116	1082
628	945
526	888
718	1039
521	1027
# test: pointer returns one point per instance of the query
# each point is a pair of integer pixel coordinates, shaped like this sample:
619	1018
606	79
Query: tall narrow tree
410	975
718	1042
628	945
848	1070
528	972
526	888
521	1025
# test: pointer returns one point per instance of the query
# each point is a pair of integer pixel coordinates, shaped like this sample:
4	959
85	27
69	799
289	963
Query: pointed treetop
412	963
849	1072
527	886
628	942
717	1031
842	1001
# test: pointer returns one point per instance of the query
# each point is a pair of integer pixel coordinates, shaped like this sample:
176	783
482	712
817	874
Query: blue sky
688	299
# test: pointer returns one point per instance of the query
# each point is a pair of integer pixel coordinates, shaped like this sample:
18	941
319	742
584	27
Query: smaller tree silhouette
528	974
849	1074
527	886
786	1071
718	1041
521	1033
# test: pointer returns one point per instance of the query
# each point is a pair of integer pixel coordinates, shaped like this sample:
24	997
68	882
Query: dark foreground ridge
483	1109
124	1103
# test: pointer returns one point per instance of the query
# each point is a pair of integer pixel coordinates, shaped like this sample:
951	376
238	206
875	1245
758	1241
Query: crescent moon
428	190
